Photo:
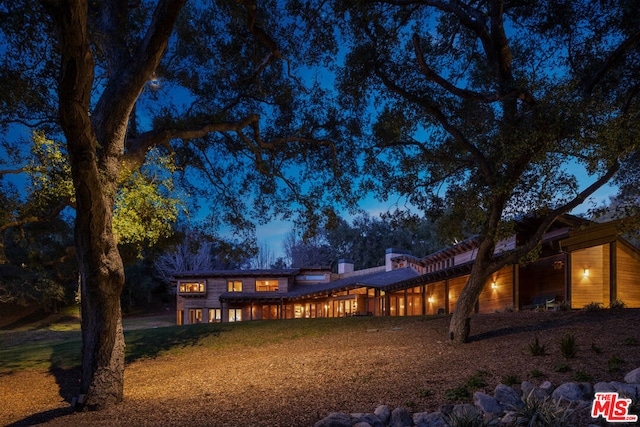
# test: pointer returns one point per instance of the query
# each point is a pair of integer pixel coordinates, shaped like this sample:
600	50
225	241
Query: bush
568	346
615	364
593	307
511	380
536	374
542	412
537	349
617	305
581	376
563	367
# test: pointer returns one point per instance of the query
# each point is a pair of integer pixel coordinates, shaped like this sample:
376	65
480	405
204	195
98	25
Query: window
195	316
215	315
234	286
235	315
266	285
191	288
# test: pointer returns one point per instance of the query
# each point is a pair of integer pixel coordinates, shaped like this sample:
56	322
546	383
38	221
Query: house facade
580	263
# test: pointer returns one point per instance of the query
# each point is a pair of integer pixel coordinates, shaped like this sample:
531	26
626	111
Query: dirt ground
298	381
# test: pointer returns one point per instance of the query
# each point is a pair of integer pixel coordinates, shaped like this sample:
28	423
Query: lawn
294	372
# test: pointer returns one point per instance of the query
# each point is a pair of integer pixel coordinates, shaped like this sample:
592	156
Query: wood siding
497	299
595	286
628	284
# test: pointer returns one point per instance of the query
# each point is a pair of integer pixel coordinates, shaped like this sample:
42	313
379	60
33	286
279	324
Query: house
580	262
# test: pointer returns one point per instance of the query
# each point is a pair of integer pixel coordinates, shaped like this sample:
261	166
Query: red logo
614	409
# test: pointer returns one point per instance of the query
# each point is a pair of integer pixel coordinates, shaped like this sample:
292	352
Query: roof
238	273
379	280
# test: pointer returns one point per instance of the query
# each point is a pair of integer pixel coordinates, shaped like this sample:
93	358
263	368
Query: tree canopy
481	112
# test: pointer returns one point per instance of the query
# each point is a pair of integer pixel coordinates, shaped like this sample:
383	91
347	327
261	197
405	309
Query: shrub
630	341
542	412
593	307
476	381
511	380
568	346
595	349
617	305
564	306
466	417
457	394
615	364
581	376
424	392
563	367
536	374
536	348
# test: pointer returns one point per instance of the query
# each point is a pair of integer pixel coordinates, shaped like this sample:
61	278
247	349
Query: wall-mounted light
586	273
430	300
494	285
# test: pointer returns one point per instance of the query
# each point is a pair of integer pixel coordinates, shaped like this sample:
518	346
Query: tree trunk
460	325
102	280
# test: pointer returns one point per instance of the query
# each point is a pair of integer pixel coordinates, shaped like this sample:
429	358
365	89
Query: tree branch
611	61
138	147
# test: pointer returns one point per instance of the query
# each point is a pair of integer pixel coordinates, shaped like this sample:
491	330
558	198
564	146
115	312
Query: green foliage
457	394
581	376
536	374
537	349
615	363
631	341
562	367
464	392
595	348
542	412
511	380
424	393
147	204
568	347
467	416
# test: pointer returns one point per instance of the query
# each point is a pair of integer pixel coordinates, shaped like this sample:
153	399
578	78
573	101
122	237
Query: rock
362	424
334	419
486	403
400	417
633	377
507	396
425	419
568	392
384	413
527	388
603	387
627	390
370	419
547	387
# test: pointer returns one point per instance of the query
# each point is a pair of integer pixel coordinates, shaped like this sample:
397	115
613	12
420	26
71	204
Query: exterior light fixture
586	272
430	300
494	285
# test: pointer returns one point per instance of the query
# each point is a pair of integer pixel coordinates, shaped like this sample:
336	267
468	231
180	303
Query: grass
57	343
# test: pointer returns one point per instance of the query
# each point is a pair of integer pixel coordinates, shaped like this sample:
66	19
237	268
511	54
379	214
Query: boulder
633	377
568	392
400	417
335	419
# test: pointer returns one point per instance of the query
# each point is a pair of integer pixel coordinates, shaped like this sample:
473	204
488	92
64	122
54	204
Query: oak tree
480	112
210	82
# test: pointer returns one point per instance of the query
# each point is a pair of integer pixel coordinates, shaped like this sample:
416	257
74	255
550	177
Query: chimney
392	253
345	266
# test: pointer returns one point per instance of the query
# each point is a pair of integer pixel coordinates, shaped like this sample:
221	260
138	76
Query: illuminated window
235	315
234	286
266	285
191	288
195	316
215	315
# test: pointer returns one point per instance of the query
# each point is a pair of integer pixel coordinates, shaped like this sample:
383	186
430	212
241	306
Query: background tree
207	81
478	111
